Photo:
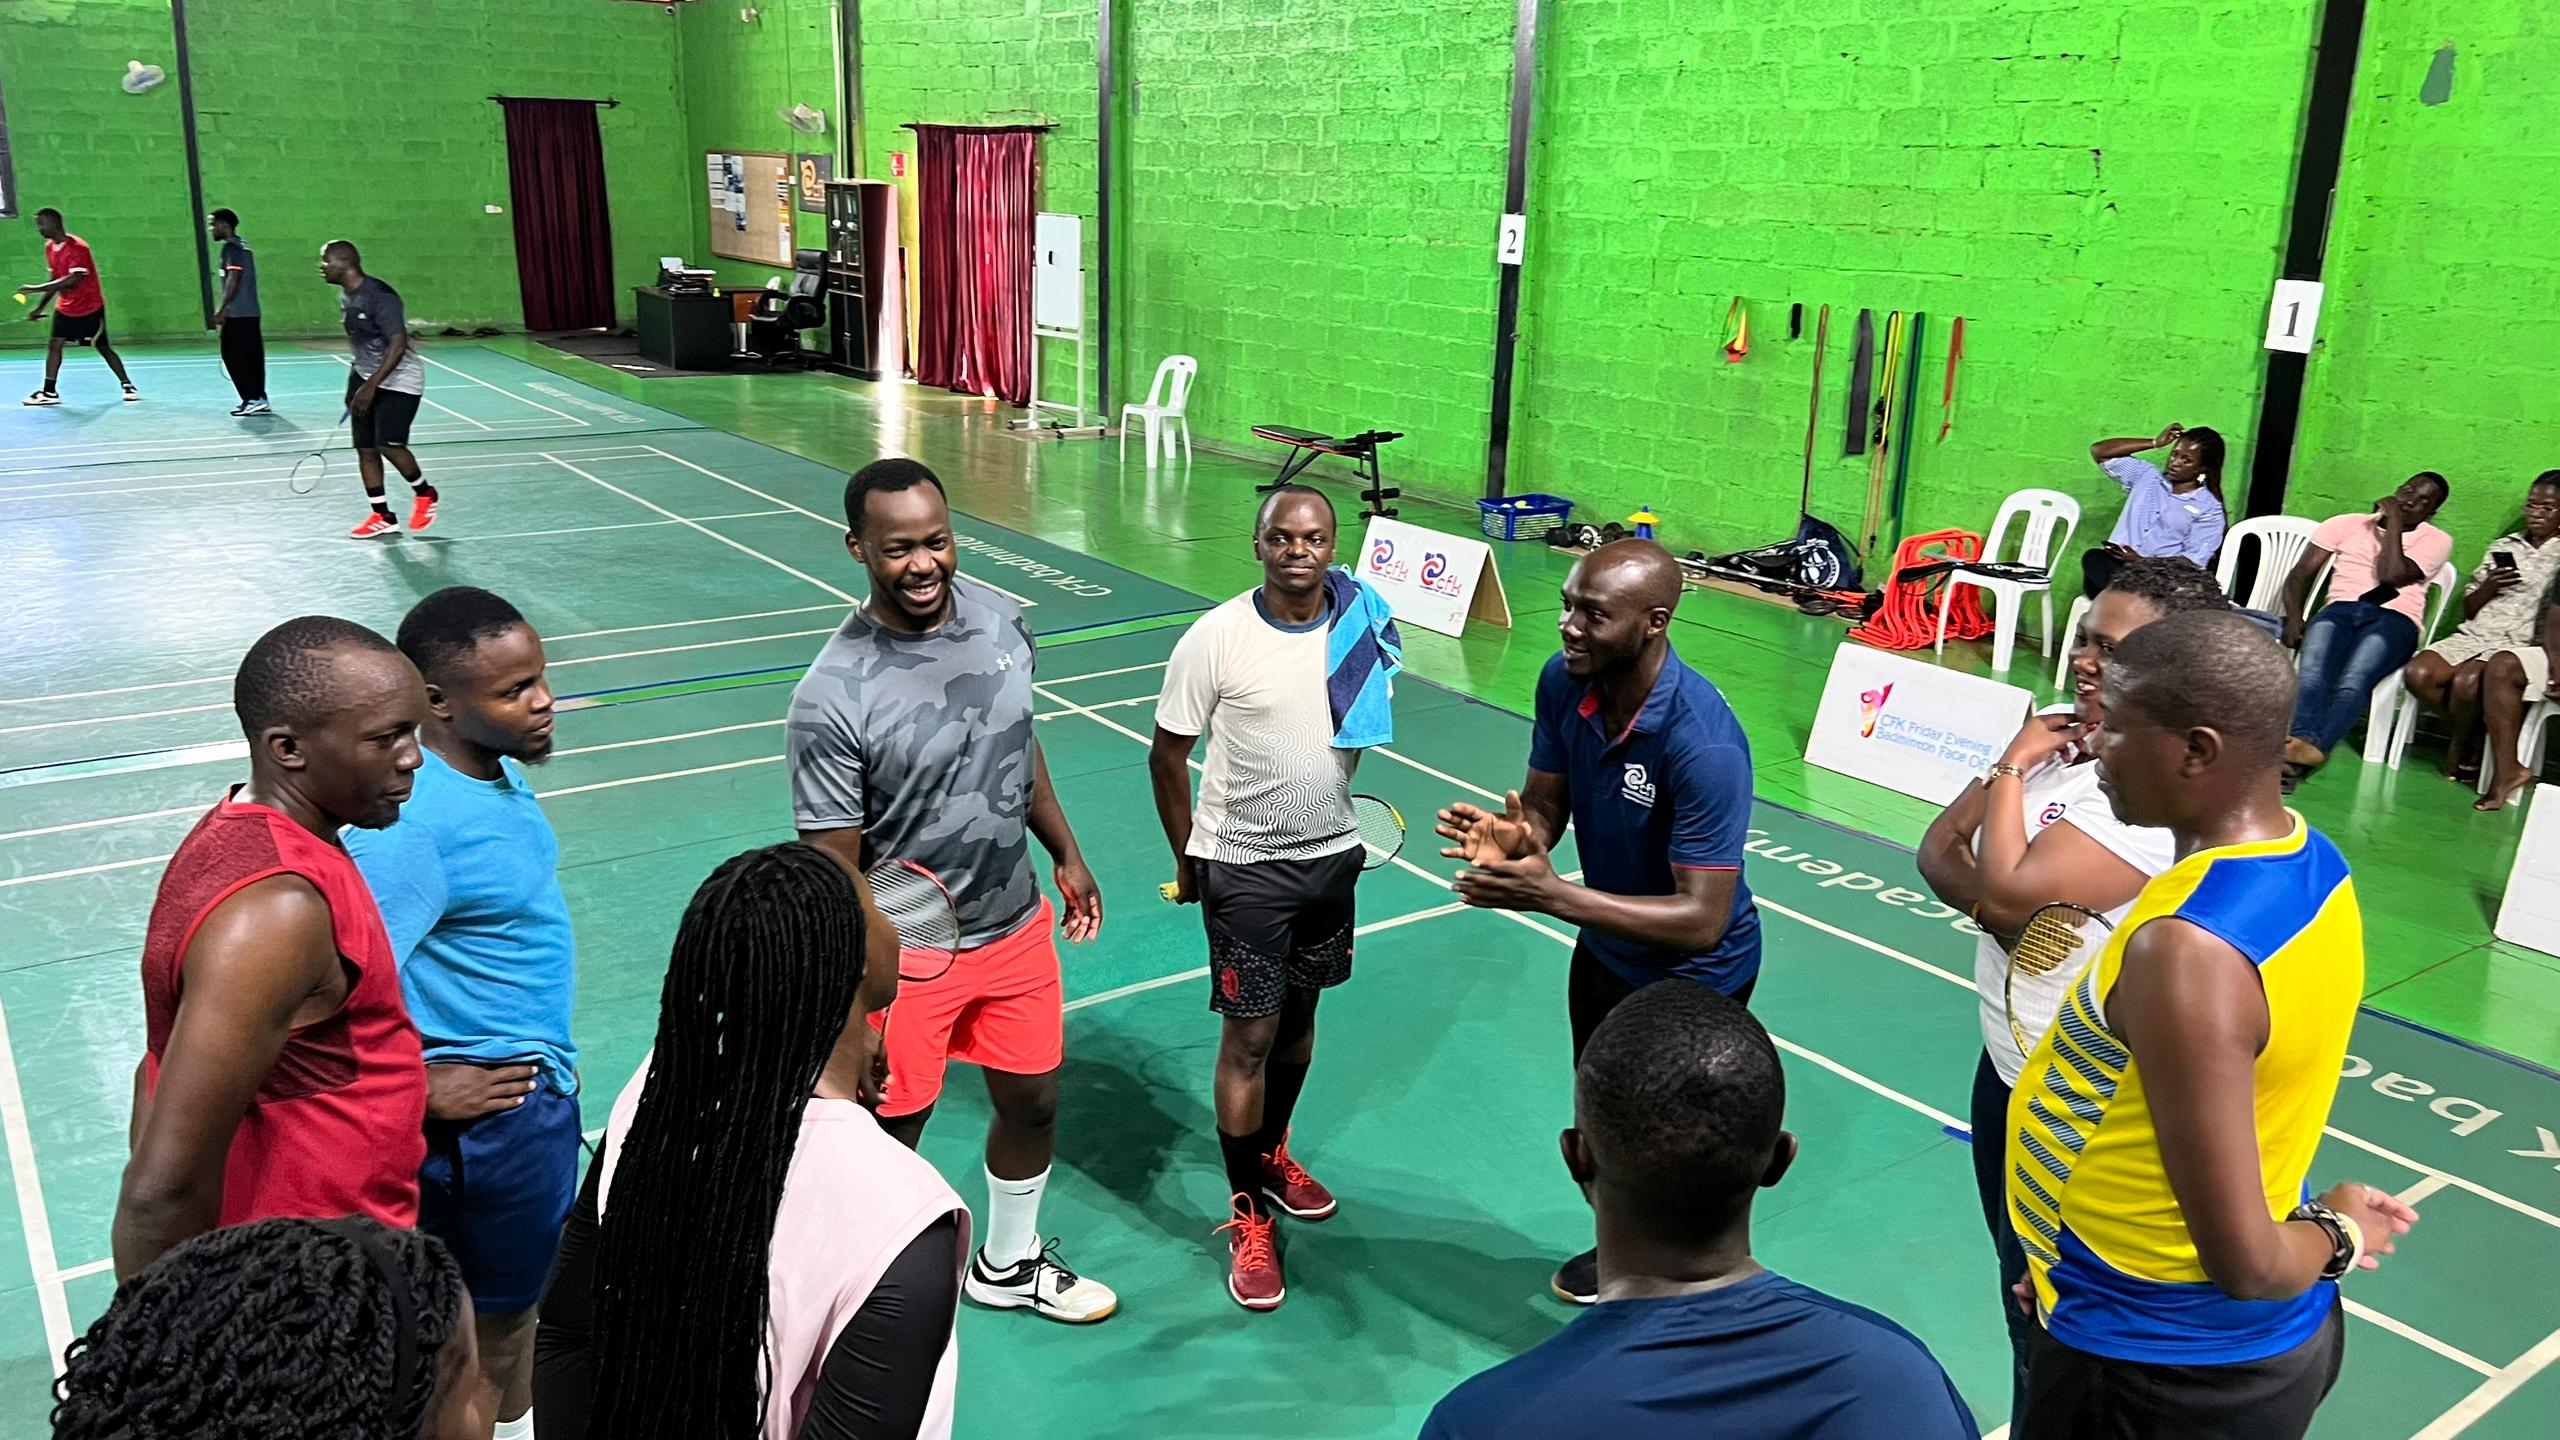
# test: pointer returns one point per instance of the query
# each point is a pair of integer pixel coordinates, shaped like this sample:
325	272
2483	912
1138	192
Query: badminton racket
1379	825
2051	938
915	900
311	469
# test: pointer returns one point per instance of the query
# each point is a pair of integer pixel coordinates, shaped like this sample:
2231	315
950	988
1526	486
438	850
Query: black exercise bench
1361	450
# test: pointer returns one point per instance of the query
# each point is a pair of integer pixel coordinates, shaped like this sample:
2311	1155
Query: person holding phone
2379	563
2483	675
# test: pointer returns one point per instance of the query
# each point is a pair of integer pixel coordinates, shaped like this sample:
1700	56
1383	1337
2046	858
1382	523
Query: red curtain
974	192
564	241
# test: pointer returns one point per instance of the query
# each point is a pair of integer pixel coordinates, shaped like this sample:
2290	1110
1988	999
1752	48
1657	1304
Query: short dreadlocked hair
281	1321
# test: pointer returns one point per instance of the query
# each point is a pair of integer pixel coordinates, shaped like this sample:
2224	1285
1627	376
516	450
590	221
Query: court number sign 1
2294	317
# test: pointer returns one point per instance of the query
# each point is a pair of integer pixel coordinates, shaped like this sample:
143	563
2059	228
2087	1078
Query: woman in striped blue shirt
2163	512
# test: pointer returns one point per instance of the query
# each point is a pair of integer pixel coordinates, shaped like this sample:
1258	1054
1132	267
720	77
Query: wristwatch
2000	768
2346	1242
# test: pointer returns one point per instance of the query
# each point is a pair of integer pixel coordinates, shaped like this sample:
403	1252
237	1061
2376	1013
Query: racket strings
1380	827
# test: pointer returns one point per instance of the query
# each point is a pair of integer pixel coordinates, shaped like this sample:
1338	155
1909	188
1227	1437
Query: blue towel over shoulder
1363	652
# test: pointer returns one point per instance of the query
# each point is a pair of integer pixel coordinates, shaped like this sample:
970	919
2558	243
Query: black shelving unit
852	307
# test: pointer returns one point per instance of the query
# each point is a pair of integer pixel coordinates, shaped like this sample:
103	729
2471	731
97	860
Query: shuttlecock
139	77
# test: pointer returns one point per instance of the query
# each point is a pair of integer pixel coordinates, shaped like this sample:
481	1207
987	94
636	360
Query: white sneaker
258	406
131	394
1043	1285
42	397
240	409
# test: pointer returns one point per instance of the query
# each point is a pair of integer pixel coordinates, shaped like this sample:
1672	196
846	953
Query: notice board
750	197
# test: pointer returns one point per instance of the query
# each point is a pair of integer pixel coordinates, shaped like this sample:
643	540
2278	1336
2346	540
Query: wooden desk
688	332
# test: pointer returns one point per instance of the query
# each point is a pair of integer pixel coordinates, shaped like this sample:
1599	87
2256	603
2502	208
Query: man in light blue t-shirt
470	892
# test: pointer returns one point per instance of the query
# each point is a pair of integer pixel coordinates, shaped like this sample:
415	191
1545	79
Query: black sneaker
131	394
1041	1284
1577	1281
42	397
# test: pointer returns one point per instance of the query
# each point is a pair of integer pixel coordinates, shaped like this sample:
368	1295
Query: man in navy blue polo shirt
1646	759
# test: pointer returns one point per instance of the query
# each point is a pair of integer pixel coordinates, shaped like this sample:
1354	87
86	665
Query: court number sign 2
2294	316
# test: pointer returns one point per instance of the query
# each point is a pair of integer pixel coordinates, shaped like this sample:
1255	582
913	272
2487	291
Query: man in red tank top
282	1077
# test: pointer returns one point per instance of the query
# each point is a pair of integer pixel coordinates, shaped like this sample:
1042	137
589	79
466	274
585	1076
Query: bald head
2197	705
1617	607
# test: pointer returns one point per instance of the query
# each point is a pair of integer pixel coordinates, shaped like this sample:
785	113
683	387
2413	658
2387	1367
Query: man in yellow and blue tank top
2161	1135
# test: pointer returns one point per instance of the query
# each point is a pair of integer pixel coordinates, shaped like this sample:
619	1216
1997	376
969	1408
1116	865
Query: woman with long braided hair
318	1329
753	1255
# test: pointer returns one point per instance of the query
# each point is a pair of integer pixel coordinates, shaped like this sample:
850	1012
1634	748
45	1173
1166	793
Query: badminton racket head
915	900
1381	828
307	473
2054	936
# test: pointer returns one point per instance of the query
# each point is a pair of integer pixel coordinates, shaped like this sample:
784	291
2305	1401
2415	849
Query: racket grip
1170	890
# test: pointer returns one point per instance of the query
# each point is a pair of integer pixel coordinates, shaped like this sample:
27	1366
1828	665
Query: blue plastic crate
1523	517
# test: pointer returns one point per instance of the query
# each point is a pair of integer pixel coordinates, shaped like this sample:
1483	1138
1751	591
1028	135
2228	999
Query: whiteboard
750	198
1057	272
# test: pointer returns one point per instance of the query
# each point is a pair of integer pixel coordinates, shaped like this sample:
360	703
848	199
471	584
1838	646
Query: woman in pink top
2377	606
753	1256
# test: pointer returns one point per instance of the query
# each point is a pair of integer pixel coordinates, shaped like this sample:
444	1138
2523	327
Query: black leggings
244	355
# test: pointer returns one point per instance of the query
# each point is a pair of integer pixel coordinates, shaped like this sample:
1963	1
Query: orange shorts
1001	1007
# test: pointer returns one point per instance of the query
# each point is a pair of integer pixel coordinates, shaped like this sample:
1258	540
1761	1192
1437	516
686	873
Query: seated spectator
2163	513
2369	628
1677	1108
379	1348
751	1254
2034	831
2485	674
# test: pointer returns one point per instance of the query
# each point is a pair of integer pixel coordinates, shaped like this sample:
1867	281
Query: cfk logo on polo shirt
1638	786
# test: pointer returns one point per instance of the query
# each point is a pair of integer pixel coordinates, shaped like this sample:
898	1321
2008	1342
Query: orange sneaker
423	513
1287	1184
374	524
1253	1258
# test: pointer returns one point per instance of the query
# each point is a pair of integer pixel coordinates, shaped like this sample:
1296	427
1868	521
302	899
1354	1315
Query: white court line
109	719
2426	1185
33	1219
666	775
738	545
5	883
189	444
2503	1382
501	389
275	479
547	640
834	522
580	529
2420	1338
270	469
94	824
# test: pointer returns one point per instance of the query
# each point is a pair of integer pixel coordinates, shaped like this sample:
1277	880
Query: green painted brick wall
736	80
2440	332
2107	226
367	119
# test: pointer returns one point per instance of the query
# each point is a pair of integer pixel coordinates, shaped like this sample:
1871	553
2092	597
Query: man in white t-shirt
1271	854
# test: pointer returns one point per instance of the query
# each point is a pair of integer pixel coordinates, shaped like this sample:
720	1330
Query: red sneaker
1253	1258
1287	1184
374	524
423	513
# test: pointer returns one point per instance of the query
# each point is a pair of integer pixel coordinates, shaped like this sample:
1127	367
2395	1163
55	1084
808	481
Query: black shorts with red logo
1277	925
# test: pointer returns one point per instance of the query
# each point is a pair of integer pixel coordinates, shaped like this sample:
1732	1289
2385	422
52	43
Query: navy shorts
497	1192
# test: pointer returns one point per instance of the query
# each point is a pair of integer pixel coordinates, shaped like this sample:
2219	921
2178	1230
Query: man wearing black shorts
1646	760
79	306
385	387
1271	854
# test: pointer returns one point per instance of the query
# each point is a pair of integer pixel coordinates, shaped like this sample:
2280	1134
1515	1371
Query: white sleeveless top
853	1202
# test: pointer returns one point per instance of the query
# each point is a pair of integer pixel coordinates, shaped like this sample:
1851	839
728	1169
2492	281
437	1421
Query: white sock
1013	1218
520	1428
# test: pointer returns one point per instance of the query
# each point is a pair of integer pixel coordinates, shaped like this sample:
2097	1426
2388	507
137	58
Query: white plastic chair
2537	717
1163	410
2392	719
2049	517
2280	541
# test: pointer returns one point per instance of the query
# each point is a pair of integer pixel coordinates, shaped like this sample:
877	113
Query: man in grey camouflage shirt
911	738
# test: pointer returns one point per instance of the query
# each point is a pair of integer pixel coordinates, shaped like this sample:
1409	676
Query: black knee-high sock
1281	1082
1244	1167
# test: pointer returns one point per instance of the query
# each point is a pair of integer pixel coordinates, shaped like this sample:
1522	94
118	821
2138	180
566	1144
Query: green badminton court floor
684	574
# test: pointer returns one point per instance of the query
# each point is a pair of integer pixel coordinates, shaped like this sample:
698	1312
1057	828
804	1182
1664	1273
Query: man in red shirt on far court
282	1076
79	306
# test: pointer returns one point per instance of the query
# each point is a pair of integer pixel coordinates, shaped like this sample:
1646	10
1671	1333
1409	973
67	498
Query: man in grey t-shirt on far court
384	389
911	738
244	346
